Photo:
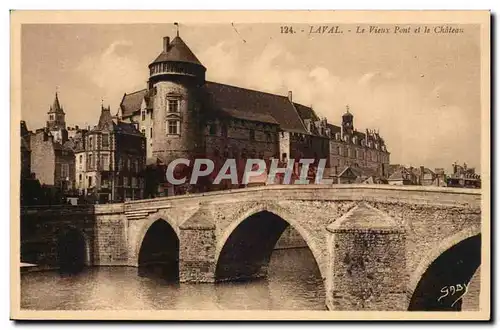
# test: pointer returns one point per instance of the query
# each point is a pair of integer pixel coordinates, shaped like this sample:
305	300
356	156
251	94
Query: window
105	162
89	161
173	105
134	181
143	131
129	166
151	132
143	115
90	142
268	137
173	127
252	135
340	150
105	140
224	130
51	117
81	159
90	182
125	181
64	171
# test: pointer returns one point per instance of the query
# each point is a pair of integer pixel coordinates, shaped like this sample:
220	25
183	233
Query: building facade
110	159
52	162
184	116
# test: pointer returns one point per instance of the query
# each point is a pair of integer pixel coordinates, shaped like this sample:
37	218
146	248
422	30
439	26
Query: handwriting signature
452	290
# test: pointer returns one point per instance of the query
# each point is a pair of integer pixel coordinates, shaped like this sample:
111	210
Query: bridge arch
158	248
144	226
462	248
73	251
279	219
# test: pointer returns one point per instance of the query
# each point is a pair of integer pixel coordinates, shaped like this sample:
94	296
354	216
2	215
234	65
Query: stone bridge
376	247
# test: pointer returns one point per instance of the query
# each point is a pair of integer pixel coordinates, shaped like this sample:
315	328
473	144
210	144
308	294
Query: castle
183	115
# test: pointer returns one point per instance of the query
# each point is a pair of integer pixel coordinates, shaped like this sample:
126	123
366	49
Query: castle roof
177	51
56	106
256	103
131	103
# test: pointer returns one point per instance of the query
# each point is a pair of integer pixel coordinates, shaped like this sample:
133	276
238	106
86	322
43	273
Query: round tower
175	78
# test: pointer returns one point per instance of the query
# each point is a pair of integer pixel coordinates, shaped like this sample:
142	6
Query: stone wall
290	239
371	243
110	244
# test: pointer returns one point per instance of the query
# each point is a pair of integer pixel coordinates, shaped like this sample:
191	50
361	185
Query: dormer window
172	105
143	115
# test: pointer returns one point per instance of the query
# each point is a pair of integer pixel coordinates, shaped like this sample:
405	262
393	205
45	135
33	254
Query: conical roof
177	51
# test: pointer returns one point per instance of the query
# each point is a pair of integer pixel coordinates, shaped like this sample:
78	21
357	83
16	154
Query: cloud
419	130
113	71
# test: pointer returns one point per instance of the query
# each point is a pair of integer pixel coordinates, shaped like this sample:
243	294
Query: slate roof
358	171
220	96
250	116
306	112
177	51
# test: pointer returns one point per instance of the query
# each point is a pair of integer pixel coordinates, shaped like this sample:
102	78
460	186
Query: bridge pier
367	262
197	249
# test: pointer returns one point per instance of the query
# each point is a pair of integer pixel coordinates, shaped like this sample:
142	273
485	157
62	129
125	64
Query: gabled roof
306	112
397	175
359	172
177	51
220	96
132	102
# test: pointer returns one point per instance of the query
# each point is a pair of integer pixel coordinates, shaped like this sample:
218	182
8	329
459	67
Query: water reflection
294	282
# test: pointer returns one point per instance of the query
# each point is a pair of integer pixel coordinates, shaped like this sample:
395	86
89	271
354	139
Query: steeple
56	116
347	122
56	106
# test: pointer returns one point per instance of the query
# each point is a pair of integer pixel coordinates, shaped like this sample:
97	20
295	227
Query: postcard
250	165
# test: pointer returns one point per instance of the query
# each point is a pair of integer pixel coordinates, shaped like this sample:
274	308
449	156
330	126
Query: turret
174	62
347	122
175	78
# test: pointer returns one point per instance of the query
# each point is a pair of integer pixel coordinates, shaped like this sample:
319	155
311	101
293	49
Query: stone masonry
372	244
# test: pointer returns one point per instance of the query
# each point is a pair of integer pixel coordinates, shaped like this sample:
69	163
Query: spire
56	106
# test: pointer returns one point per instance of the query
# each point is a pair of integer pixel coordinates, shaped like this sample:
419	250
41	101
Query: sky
421	91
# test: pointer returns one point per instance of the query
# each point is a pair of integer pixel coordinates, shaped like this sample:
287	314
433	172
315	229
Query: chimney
290	96
166	43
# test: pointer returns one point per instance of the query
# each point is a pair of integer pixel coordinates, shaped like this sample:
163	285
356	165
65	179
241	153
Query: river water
294	283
